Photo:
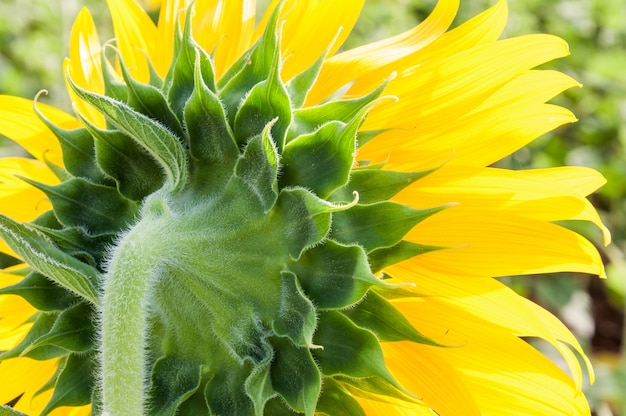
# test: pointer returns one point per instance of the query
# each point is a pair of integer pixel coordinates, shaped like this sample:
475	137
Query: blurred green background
34	37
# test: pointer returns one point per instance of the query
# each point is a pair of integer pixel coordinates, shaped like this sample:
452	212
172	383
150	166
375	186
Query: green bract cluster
216	247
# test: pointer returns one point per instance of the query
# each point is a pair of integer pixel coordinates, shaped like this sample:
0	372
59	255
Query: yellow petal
170	11
136	35
439	385
371	64
496	243
236	27
14	312
491	189
19	200
431	43
304	39
513	116
85	53
486	298
19	123
505	375
85	64
24	375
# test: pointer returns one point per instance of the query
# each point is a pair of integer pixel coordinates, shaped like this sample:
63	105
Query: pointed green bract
49	260
378	225
385	321
71	388
72	330
210	137
191	64
167	396
214	249
41	292
150	134
78	150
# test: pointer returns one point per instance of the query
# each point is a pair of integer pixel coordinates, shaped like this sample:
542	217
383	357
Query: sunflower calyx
227	241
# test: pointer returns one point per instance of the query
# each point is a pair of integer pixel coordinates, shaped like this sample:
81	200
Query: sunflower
241	219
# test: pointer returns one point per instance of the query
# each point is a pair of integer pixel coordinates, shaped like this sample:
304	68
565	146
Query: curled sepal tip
153	136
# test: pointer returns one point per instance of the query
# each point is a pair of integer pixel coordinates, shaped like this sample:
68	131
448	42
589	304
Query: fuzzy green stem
124	323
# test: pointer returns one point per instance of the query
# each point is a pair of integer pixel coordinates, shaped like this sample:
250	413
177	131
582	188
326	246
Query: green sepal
173	381
74	385
134	171
61	173
43	256
348	350
336	401
80	203
308	216
404	250
42	324
385	321
9	411
278	407
210	137
267	101
75	242
295	376
73	331
254	66
382	224
334	276
296	317
300	85
320	161
182	78
195	405
225	395
258	385
41	293
258	168
375	185
150	101
153	136
307	120
77	146
113	87
365	136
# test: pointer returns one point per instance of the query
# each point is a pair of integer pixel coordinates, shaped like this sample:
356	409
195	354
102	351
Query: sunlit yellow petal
20	374
304	39
371	64
454	86
236	26
166	31
526	193
136	35
480	358
500	244
14	312
19	123
20	200
84	64
486	298
348	66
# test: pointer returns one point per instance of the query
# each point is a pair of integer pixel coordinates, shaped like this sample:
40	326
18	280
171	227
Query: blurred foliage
34	36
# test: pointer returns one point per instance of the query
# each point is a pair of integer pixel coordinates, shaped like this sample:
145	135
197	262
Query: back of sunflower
240	220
